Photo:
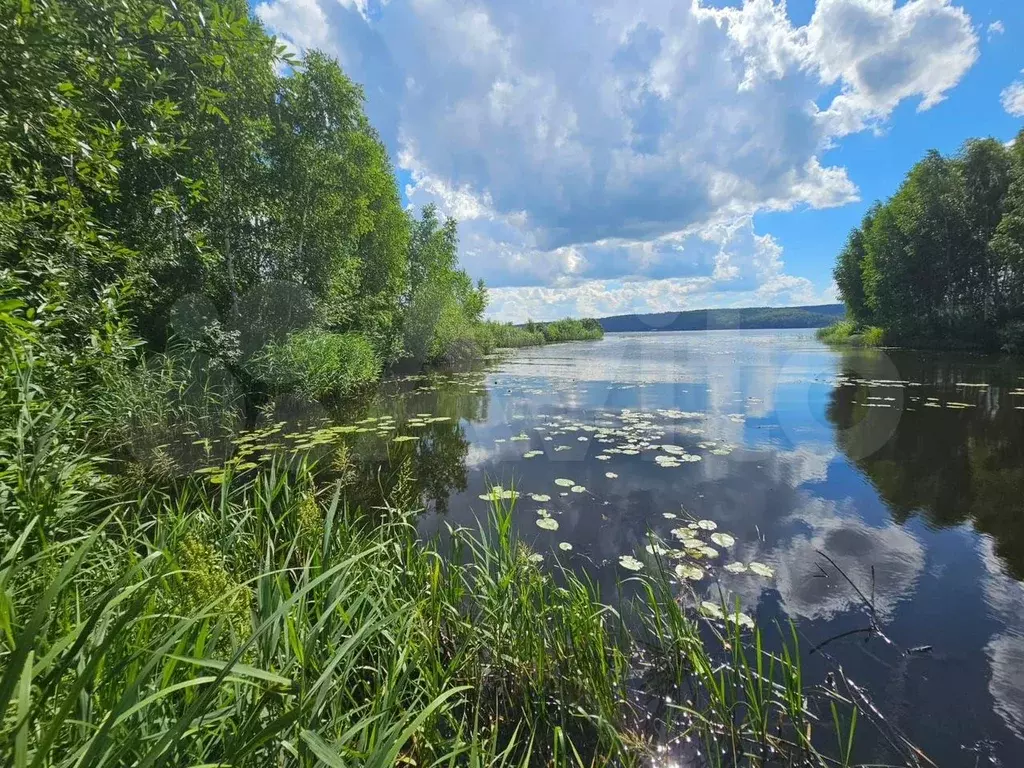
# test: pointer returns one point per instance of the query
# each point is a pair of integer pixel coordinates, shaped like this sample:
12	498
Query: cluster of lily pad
692	549
628	433
245	450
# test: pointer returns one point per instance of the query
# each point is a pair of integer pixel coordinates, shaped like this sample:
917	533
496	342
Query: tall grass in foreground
260	622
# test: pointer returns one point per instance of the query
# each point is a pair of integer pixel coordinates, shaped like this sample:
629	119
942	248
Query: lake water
901	472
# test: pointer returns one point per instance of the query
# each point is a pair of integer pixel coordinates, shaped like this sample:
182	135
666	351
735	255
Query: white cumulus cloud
1012	97
611	153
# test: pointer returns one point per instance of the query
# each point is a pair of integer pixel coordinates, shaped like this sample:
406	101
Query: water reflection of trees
425	472
952	466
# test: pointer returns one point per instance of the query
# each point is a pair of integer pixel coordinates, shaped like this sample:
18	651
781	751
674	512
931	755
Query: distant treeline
531	334
815	316
941	262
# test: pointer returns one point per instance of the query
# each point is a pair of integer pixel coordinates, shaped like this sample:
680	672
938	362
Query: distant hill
815	316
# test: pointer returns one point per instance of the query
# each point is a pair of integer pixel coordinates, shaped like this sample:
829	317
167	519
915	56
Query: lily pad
723	539
736	567
707	525
761	570
547	523
713	610
540	497
610	475
690	572
565	546
564	482
630	563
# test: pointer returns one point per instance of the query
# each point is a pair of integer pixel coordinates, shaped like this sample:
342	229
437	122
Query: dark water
890	463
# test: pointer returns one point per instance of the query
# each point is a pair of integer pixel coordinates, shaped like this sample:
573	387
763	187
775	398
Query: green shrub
848	332
452	340
571	329
437	329
838	332
318	364
493	335
873	336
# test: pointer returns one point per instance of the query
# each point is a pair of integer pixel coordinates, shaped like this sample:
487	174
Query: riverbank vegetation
849	332
174	180
492	334
941	262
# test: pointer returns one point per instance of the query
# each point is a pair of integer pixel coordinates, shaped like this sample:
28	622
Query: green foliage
318	364
939	262
494	335
849	270
849	332
339	230
873	336
837	333
202	580
141	405
1008	241
572	330
444	307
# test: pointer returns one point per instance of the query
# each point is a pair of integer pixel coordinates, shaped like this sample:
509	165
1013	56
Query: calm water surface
906	469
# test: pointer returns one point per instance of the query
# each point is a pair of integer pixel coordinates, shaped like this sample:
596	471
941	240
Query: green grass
848	332
318	364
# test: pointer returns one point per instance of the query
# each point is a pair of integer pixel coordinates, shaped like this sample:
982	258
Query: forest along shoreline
940	264
195	225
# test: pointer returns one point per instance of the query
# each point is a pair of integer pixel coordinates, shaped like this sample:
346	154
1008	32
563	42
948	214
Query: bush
572	330
873	336
838	332
492	334
318	364
848	332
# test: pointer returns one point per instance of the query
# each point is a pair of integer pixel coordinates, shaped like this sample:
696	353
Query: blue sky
610	156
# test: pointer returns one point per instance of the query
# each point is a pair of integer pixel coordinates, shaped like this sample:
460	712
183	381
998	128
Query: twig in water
875	628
